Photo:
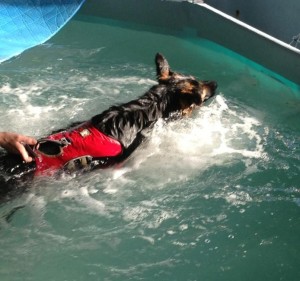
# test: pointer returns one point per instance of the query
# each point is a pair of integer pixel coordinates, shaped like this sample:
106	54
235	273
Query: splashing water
210	197
215	135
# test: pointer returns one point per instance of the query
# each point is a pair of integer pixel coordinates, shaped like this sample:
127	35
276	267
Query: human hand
13	142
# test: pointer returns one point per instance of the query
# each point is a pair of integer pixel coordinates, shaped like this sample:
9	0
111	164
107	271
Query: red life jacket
82	142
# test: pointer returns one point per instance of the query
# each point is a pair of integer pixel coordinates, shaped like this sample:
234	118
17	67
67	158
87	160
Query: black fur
126	122
174	94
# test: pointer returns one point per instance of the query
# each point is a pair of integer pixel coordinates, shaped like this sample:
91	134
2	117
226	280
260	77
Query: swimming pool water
212	197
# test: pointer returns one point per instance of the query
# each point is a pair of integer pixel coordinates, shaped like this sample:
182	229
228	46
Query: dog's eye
195	83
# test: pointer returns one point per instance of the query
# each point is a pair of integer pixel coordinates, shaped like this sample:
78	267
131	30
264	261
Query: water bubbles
183	227
238	198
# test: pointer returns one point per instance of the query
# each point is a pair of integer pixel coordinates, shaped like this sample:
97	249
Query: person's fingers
22	150
27	140
13	142
29	159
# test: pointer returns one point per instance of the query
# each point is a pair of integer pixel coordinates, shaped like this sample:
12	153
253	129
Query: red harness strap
84	140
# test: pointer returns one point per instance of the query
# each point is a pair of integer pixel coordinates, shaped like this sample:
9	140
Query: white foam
83	196
148	216
214	135
52	103
238	198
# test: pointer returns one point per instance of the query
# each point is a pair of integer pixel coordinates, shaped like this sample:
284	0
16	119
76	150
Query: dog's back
127	121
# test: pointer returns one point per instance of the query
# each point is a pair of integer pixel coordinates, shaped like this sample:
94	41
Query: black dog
110	137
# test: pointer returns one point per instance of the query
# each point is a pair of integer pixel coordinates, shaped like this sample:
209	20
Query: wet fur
174	94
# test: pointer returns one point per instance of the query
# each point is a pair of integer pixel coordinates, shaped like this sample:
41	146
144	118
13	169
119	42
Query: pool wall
276	17
206	22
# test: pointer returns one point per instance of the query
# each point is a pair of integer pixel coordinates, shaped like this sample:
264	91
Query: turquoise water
212	197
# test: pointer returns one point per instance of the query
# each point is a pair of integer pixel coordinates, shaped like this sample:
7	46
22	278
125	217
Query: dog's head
191	92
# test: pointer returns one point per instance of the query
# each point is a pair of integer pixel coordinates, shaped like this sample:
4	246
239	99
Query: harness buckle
80	163
64	142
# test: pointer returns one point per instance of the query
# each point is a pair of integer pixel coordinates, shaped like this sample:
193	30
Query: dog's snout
208	90
213	85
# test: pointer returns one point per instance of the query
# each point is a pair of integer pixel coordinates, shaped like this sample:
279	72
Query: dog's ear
162	68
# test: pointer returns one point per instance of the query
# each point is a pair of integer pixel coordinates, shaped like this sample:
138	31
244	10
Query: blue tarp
26	23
